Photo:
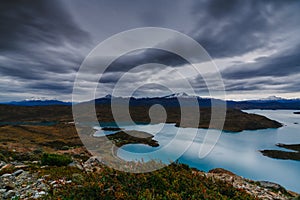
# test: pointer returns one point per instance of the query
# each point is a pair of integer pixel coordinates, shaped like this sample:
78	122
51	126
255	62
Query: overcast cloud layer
256	45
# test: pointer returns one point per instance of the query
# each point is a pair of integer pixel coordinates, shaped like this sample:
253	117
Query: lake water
237	152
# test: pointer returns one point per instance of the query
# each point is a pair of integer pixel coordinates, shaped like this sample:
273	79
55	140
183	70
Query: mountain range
176	99
38	102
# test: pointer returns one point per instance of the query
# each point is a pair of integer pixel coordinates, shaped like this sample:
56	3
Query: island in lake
132	137
235	120
286	155
111	129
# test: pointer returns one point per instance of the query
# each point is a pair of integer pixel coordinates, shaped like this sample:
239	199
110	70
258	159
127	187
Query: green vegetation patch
176	181
55	159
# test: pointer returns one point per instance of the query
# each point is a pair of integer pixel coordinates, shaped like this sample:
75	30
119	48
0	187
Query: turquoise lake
237	152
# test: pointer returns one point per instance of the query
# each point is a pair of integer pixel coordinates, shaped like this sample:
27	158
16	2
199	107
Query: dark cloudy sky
255	44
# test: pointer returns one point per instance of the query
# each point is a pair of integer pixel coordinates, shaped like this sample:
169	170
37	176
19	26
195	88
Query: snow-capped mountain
272	102
170	96
38	99
177	95
272	98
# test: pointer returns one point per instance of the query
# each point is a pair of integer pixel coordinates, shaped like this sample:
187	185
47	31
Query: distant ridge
270	103
39	102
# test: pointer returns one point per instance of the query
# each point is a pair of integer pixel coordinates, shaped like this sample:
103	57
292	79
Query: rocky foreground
30	180
259	189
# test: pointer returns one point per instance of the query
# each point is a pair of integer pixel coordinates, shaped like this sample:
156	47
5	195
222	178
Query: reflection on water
237	152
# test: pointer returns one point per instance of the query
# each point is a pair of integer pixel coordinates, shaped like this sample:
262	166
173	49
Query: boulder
271	185
18	172
9	194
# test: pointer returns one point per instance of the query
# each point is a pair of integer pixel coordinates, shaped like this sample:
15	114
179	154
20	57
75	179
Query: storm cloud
281	64
256	44
38	41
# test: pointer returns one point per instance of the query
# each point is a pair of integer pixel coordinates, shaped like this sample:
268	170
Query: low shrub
176	181
3	158
55	159
65	148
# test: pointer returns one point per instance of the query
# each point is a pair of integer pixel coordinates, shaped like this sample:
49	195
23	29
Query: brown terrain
27	133
235	120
